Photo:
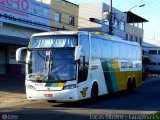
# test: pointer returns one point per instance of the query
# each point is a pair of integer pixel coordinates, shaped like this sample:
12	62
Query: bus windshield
53	41
51	64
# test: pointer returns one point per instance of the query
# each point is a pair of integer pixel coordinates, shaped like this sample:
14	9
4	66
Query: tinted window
152	51
84	59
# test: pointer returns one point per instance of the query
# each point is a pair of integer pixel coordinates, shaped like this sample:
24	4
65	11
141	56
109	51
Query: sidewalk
12	99
12	92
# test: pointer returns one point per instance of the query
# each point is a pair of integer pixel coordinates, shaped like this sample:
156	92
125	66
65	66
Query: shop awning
10	40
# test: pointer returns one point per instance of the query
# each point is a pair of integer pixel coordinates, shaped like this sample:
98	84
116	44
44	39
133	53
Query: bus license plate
48	95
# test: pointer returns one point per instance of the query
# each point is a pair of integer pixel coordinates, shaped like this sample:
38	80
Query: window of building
71	20
116	23
126	36
122	26
159	52
152	52
57	17
140	41
131	37
136	39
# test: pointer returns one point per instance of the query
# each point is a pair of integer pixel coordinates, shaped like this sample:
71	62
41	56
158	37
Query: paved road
144	100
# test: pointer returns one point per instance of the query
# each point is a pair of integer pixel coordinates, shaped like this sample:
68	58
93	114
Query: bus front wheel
94	93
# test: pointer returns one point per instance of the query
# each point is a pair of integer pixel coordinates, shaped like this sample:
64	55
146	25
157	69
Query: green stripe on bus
51	85
113	76
48	84
107	76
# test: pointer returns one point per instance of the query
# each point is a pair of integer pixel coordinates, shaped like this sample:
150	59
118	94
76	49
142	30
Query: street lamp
142	5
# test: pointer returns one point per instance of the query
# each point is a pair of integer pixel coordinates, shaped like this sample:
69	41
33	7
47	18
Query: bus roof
94	34
56	33
115	38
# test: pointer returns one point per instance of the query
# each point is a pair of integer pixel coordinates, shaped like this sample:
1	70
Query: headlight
69	86
30	86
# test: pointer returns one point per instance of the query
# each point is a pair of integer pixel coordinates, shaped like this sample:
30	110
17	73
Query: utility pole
110	19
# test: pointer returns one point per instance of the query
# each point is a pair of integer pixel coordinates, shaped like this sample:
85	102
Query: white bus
153	54
76	65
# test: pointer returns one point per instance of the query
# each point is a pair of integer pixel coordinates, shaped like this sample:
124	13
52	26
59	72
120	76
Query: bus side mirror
21	55
77	53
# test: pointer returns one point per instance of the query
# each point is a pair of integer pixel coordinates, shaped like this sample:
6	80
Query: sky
151	12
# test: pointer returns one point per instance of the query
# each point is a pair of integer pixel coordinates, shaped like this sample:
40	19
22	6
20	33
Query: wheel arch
95	83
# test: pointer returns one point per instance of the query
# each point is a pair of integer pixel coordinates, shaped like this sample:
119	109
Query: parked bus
153	55
76	65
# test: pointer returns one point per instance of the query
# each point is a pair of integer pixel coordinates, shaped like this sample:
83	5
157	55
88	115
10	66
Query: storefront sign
27	13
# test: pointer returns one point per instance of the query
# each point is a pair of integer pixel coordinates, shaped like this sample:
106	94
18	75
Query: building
126	25
134	27
64	15
91	18
18	21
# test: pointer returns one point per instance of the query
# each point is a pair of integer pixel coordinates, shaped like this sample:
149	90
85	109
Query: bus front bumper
63	95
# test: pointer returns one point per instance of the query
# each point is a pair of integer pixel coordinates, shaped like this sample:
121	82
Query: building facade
18	21
126	25
134	27
64	15
91	18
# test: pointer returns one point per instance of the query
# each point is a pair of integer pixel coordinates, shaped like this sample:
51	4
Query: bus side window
84	59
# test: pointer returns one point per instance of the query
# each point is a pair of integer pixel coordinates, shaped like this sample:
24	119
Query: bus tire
129	86
133	83
94	93
51	101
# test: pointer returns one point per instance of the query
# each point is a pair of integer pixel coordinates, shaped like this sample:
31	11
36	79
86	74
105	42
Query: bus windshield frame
53	58
53	41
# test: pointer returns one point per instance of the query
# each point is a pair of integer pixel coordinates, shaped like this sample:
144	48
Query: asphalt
144	100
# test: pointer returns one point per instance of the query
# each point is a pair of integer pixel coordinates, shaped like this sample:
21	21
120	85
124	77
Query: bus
153	57
76	65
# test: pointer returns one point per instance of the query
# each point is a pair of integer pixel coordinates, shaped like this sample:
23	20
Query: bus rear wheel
51	101
129	86
133	83
94	93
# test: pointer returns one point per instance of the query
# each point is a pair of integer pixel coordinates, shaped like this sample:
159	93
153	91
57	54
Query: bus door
83	66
